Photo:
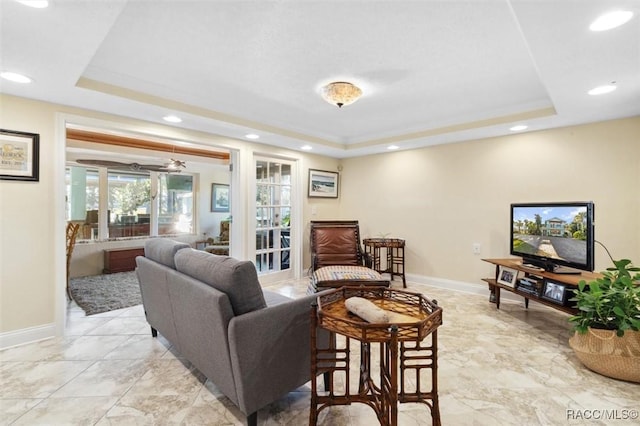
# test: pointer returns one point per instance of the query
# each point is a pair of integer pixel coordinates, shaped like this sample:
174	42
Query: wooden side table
395	256
121	259
401	351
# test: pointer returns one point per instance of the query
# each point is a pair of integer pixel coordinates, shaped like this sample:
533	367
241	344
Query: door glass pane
285	173
273	215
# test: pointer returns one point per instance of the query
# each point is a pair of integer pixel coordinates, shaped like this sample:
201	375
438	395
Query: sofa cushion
237	278
163	251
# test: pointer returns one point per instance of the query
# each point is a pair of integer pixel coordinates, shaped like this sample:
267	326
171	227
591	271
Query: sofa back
192	315
238	279
163	251
201	316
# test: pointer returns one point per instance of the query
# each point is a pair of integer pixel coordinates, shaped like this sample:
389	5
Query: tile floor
506	367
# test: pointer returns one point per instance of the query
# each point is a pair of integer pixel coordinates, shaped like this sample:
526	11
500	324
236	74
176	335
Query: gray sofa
254	345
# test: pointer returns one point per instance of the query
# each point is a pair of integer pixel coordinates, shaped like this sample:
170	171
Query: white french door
274	189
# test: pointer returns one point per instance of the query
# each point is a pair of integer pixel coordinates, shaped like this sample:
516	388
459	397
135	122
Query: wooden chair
337	258
72	234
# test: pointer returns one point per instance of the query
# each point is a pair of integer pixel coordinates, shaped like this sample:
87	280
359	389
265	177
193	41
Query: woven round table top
416	316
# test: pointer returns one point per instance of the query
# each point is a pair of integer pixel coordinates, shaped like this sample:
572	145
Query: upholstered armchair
337	258
336	243
220	244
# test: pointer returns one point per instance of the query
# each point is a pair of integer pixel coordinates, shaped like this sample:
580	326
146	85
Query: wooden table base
383	396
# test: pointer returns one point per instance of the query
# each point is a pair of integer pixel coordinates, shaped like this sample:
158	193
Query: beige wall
443	199
27	224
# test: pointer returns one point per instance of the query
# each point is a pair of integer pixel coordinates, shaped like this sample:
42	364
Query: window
138	204
176	204
129	202
82	199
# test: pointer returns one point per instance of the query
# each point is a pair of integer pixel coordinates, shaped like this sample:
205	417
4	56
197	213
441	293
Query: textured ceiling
431	71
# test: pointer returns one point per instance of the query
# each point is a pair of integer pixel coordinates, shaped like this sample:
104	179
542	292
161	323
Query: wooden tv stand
569	281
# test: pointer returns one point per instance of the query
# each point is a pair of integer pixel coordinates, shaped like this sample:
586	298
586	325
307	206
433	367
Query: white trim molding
480	288
27	335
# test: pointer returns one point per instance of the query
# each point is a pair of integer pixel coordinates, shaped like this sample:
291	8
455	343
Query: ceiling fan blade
129	166
154	168
104	163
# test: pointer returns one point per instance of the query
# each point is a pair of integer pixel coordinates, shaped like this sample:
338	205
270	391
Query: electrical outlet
476	248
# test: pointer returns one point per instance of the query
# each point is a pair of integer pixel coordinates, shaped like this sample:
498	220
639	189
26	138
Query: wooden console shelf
121	259
568	282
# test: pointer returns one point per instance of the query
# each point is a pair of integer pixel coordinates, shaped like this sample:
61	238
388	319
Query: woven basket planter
605	353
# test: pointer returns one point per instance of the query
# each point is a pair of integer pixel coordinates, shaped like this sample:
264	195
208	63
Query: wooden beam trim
114	140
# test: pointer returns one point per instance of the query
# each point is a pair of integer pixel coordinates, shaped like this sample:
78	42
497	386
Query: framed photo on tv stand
507	276
555	292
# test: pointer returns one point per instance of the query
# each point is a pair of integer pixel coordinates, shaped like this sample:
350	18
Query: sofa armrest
270	352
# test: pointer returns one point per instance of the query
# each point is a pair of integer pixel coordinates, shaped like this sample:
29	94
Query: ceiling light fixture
306	147
341	93
518	128
392	147
172	119
611	20
252	136
15	77
601	90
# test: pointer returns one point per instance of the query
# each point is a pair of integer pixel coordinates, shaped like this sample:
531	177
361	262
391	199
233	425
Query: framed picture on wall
219	197
323	184
19	155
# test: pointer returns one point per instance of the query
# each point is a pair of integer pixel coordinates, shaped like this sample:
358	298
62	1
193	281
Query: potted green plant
607	325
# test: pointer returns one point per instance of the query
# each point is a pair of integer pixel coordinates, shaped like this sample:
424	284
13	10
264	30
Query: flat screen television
556	236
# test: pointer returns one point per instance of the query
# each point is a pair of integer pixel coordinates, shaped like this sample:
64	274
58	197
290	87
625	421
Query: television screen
549	235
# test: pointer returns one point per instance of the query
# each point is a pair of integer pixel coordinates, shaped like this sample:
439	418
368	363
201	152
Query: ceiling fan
174	166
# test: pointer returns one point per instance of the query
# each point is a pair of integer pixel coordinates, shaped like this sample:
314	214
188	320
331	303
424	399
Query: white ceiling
431	71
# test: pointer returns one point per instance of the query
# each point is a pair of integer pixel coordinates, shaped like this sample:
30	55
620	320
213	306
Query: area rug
104	293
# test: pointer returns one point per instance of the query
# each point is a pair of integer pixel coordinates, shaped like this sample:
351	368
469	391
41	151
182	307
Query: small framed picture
19	155
219	197
507	276
554	292
323	184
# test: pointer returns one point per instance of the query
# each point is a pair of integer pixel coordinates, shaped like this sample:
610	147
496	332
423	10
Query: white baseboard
481	289
27	335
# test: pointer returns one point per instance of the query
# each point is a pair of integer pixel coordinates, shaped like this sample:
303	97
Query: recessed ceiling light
252	136
518	128
392	147
611	20
306	147
38	4
15	77
172	119
601	90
